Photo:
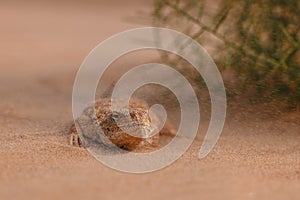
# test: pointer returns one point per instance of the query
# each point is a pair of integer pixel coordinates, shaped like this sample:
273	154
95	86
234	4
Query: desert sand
42	47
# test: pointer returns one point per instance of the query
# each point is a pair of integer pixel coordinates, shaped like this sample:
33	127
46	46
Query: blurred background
256	41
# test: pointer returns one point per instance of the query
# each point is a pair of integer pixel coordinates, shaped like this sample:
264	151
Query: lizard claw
75	140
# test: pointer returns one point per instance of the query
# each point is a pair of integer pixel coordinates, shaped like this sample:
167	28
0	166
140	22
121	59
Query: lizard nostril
132	115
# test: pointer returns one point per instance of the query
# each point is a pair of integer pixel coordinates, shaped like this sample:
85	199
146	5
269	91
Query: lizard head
127	128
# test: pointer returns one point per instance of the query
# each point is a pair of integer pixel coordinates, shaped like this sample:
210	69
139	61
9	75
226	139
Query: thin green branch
288	36
221	37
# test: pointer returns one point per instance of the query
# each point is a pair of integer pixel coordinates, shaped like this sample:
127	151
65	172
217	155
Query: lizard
129	130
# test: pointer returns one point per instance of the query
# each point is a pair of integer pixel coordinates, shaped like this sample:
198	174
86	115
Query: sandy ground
42	46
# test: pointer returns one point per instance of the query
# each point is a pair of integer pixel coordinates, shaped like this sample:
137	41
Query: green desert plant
257	40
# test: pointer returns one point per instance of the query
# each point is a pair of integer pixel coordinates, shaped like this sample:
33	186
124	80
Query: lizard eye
115	115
